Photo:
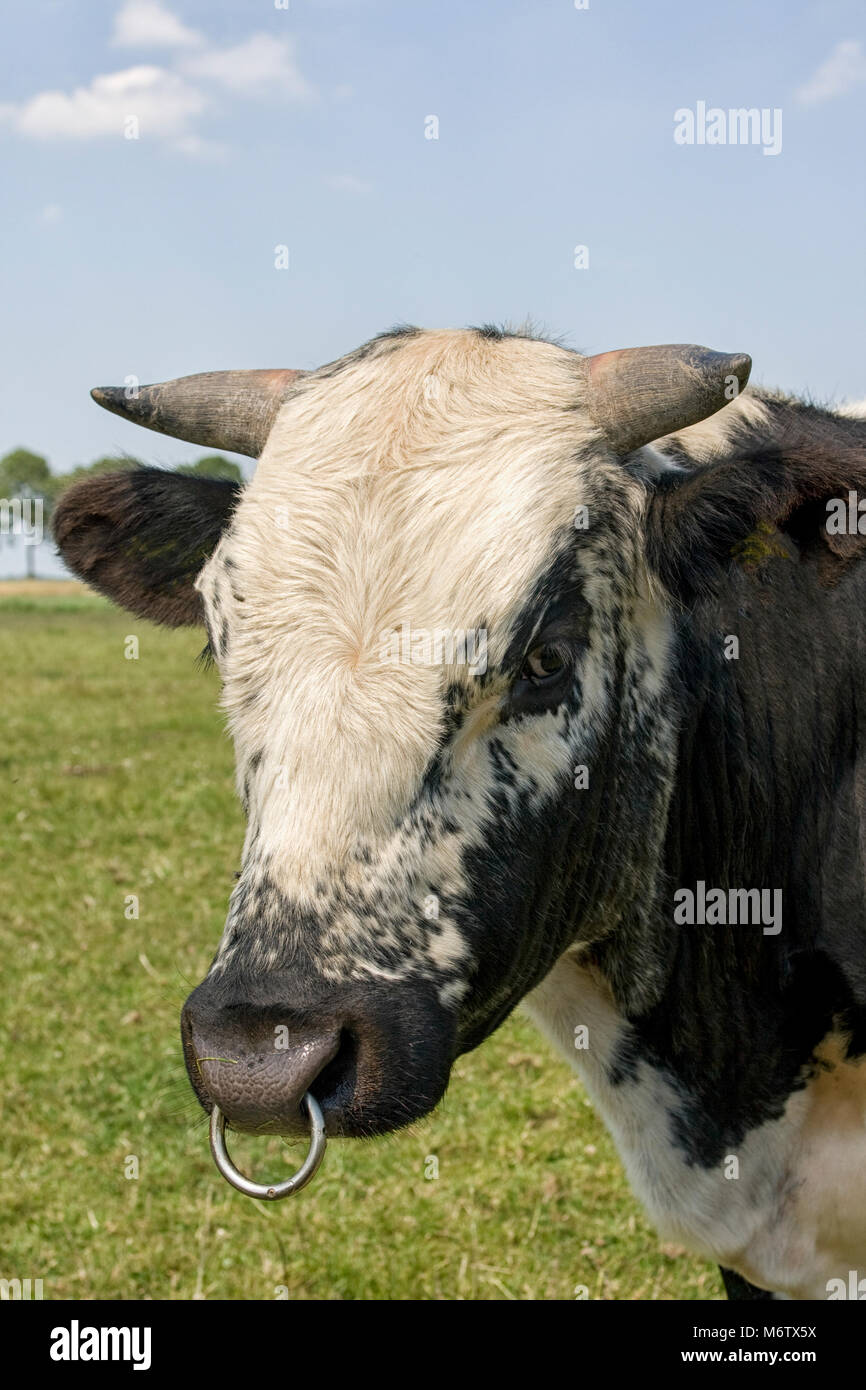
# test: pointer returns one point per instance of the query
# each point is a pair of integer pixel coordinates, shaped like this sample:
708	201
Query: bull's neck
767	795
768	725
765	683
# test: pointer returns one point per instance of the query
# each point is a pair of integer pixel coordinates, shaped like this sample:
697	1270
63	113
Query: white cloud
148	24
845	67
166	101
52	212
162	102
198	148
348	183
261	65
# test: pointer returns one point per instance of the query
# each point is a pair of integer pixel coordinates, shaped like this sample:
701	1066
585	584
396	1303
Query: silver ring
276	1190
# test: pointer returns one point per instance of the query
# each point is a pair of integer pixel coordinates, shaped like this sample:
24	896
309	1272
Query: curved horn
640	394
224	410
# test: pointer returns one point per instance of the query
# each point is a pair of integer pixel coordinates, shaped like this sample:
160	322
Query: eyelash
527	696
205	659
559	650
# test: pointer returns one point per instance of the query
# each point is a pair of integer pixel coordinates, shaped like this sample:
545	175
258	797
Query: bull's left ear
695	521
768	502
141	538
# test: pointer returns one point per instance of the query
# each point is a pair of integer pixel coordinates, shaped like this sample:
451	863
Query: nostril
256	1067
335	1084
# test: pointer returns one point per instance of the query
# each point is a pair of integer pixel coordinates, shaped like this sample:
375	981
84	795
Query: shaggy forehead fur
427	480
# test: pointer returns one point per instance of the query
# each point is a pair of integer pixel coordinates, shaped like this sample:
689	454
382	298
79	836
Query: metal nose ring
275	1191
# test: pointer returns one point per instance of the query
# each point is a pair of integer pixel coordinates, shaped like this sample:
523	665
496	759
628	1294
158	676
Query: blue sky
305	127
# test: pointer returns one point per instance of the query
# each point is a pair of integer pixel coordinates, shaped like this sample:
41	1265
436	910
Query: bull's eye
543	664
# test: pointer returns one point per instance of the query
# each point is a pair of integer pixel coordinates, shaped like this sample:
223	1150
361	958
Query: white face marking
710	439
376	505
380	501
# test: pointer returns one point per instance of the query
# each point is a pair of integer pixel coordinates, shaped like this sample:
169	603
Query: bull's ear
697	520
141	537
767	504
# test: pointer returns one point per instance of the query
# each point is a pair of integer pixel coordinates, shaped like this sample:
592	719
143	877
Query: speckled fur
381	499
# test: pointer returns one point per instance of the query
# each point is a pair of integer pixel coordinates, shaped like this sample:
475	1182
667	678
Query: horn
223	410
640	394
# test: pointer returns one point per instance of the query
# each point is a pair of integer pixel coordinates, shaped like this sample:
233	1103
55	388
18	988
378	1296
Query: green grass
117	780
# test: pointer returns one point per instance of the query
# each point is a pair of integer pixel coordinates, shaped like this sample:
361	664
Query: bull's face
443	649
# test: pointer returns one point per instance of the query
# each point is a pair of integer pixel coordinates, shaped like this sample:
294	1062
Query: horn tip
106	396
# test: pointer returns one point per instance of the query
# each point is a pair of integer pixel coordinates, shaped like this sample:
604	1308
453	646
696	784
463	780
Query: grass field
117	780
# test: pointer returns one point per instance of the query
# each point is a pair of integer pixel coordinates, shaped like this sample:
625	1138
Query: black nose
257	1063
375	1058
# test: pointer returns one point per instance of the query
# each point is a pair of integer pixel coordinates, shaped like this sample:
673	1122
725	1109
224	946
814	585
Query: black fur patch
141	537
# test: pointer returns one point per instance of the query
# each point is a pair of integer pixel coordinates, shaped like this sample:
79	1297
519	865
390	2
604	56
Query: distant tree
110	463
212	466
21	468
23	475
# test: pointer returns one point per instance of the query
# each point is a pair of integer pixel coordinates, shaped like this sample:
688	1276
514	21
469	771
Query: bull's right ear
141	537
